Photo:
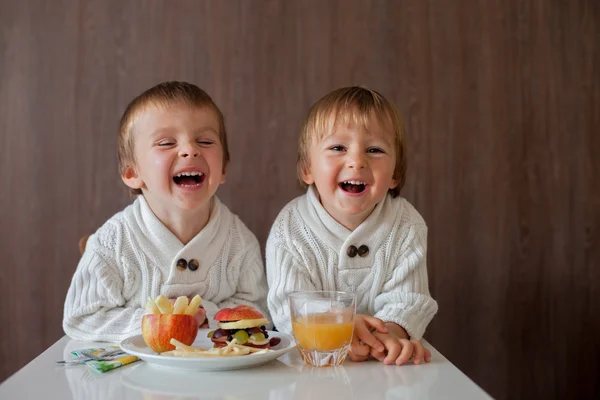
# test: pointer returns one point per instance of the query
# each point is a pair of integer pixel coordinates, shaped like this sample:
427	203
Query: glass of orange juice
322	323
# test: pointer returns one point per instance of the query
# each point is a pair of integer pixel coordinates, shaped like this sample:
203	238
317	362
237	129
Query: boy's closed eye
372	150
337	147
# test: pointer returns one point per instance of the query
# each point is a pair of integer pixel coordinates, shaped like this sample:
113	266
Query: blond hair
357	105
163	95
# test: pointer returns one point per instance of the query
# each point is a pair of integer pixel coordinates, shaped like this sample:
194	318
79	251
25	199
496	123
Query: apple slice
193	306
164	305
181	305
151	307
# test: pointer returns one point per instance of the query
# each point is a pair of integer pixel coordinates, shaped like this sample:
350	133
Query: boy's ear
223	174
132	179
394	183
307	176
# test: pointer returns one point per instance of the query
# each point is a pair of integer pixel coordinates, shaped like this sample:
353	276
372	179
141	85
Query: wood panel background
502	103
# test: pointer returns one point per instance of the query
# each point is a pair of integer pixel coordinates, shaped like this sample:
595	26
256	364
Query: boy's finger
407	351
356	357
418	353
358	349
367	338
201	317
393	351
427	355
378	355
376	323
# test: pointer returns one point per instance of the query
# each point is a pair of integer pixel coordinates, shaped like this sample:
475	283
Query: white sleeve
405	298
285	275
249	272
94	307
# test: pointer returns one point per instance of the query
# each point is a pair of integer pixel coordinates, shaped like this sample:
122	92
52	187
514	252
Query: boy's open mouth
353	186
189	179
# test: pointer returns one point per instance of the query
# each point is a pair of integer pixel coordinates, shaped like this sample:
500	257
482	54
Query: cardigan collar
158	241
371	232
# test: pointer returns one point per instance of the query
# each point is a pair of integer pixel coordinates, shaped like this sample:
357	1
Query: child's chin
193	204
354	210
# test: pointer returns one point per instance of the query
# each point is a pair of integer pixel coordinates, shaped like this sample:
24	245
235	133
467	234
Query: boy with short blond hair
351	231
177	238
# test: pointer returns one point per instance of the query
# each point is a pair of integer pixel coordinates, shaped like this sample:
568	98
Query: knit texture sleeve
405	298
95	308
247	269
285	274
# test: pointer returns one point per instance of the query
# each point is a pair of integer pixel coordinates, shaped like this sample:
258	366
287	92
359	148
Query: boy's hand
399	350
363	340
201	317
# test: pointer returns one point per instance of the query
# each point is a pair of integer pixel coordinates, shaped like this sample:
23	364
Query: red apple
158	330
237	313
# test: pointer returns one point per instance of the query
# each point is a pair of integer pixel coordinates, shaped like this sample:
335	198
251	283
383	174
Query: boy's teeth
354	183
189	174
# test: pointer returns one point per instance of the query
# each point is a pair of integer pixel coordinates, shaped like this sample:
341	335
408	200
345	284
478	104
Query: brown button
352	251
363	251
181	264
193	265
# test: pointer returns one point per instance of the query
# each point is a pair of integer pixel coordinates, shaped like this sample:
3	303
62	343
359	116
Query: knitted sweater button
193	264
181	264
352	251
363	251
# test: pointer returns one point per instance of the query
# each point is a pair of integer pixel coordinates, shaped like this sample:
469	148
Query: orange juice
322	332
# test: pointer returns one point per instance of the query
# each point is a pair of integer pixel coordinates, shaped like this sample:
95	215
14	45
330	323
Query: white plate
136	346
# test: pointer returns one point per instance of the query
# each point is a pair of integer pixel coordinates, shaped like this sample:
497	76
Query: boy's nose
189	151
357	161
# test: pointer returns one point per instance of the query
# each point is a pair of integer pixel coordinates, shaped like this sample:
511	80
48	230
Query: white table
285	378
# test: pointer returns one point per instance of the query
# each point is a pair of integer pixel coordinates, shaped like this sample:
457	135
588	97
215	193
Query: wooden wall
502	103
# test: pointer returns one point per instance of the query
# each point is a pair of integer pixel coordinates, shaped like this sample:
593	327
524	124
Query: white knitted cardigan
307	250
133	256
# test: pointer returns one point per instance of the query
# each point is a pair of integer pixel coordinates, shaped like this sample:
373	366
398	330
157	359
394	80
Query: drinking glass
323	323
